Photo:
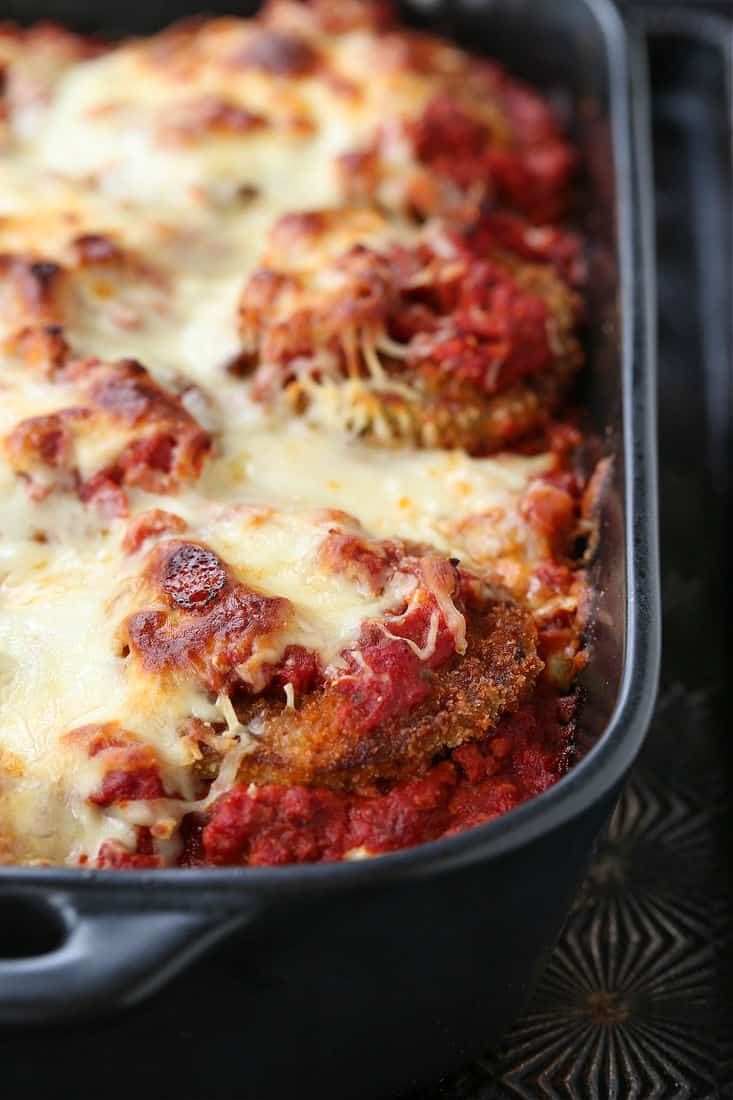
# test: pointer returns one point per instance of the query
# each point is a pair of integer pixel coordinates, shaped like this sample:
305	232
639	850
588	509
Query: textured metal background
637	1001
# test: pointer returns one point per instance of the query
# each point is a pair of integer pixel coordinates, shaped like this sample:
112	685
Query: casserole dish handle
73	962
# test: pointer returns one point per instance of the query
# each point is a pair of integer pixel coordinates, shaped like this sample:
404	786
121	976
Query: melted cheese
392	493
96	159
55	599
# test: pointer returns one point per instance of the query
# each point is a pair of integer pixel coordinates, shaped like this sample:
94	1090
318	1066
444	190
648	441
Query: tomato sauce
276	825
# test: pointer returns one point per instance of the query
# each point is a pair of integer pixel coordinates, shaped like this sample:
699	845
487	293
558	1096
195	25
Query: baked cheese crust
286	315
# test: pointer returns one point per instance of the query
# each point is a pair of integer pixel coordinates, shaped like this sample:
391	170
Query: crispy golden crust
448	340
461	418
314	745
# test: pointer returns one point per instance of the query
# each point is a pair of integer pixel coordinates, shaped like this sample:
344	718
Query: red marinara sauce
276	825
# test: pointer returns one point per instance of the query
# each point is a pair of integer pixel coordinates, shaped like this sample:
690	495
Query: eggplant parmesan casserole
289	516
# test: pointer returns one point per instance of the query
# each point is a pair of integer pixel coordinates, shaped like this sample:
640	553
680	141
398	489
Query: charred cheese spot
193	577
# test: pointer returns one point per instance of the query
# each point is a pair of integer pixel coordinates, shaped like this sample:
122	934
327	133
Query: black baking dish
362	979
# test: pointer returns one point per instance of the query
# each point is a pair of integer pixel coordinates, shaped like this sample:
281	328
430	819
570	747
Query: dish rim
607	761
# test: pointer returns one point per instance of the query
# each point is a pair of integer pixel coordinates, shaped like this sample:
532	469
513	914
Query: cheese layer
98	146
